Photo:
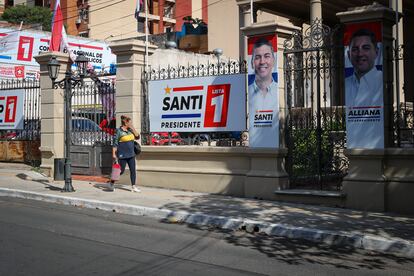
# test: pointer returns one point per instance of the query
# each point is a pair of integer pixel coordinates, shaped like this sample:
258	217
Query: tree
29	15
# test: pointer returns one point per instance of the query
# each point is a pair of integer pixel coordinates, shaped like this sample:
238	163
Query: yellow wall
117	20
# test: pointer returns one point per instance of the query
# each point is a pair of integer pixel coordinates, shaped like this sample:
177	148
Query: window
84	34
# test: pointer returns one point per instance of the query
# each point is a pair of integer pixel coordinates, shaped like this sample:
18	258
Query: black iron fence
403	94
315	123
93	112
31	110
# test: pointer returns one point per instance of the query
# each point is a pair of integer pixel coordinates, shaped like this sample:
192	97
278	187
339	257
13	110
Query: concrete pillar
315	10
267	172
130	56
365	184
245	20
52	111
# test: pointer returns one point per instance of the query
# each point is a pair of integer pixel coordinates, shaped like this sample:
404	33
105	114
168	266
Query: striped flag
57	28
138	8
59	39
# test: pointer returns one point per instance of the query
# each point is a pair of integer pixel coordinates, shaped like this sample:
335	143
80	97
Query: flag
138	8
59	39
64	45
57	28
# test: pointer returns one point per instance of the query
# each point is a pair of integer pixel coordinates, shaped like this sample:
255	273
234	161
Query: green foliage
305	152
29	15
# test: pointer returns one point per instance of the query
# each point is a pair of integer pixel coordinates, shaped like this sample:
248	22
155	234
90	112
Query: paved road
37	238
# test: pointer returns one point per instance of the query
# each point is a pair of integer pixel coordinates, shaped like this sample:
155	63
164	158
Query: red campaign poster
217	105
25	50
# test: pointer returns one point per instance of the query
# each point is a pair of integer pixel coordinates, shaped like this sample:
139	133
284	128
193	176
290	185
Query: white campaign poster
200	104
17	49
263	92
364	86
11	109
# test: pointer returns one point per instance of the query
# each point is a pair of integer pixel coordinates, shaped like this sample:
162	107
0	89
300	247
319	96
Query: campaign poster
201	104
364	97
17	71
263	92
18	48
11	109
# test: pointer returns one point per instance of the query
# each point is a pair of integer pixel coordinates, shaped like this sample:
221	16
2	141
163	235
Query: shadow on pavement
299	252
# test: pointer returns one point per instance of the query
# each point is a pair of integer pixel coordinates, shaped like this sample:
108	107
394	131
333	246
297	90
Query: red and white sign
12	71
19	47
202	104
11	109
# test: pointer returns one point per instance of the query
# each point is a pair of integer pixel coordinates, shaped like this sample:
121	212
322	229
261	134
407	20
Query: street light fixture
70	81
218	52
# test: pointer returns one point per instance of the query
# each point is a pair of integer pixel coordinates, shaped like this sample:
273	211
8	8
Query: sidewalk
381	232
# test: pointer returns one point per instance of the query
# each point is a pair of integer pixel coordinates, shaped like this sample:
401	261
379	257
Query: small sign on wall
11	109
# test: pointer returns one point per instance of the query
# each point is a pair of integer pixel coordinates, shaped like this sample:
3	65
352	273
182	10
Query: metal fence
93	112
315	123
31	110
403	115
228	139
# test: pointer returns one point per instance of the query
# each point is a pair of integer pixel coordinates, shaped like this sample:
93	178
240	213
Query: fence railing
93	112
31	110
403	115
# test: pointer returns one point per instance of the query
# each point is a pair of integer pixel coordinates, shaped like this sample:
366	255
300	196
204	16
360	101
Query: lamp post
218	52
70	81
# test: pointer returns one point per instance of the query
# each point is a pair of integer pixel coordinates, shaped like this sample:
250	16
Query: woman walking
123	150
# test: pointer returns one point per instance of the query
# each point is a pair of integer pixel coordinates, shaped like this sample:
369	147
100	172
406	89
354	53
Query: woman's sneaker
135	189
111	186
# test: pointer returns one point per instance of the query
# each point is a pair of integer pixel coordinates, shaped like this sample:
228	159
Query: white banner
200	104
263	92
364	86
19	48
11	109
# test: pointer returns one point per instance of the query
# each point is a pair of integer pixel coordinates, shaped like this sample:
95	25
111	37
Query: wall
173	57
226	13
236	171
114	22
226	38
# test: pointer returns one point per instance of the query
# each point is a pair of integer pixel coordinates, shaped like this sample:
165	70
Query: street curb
360	241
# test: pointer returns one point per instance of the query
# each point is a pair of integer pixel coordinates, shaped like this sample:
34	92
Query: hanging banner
364	85
11	109
18	48
263	92
200	104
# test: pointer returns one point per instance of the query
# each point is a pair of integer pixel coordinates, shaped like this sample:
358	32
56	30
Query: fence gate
93	126
315	122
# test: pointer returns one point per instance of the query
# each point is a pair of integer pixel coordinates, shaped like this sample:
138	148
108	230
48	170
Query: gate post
366	183
267	165
130	54
52	111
